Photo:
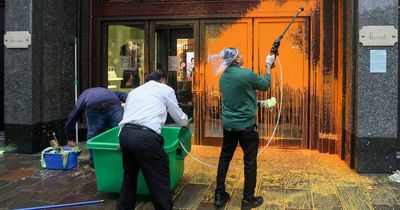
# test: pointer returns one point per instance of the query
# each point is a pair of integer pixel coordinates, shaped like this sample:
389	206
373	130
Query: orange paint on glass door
291	130
254	37
218	34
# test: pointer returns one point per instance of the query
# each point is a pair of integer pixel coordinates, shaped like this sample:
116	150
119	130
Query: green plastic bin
108	160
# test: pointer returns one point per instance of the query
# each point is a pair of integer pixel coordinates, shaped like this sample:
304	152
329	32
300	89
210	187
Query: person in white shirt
141	144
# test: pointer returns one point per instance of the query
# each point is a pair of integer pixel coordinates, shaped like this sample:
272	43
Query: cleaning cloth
269	103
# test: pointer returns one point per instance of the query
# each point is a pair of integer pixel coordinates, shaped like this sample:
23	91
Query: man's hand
187	125
71	143
270	60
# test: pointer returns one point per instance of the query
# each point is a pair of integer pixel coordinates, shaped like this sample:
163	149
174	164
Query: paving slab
287	179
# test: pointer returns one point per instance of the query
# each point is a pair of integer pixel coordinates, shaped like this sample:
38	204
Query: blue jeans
99	120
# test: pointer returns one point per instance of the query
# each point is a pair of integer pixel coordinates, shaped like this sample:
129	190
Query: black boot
221	198
252	203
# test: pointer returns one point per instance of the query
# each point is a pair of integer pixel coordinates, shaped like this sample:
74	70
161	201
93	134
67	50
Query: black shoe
221	198
252	203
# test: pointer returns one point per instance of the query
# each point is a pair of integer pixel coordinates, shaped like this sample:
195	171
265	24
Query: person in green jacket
238	87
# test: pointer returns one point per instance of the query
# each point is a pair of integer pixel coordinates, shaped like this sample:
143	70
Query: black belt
104	106
143	128
139	127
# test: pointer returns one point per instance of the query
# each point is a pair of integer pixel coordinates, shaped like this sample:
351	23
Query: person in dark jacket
102	108
238	87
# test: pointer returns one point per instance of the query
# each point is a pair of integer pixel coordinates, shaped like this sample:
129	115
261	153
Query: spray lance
277	42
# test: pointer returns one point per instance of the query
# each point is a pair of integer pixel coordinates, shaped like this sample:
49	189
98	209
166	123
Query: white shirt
148	105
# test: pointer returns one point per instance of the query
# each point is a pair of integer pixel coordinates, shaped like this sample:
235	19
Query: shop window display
125	57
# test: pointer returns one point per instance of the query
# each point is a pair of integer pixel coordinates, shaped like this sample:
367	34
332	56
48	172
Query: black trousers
127	75
143	150
248	140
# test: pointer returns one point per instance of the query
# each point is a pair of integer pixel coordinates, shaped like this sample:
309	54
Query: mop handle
76	86
64	205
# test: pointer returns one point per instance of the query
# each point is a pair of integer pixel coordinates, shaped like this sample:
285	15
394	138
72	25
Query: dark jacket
91	100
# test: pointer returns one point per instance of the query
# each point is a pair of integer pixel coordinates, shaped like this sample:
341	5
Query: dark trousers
127	75
248	140
143	150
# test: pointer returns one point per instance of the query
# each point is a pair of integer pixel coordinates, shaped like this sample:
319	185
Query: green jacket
238	87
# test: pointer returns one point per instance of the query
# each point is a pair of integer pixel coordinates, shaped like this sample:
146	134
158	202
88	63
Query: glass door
174	48
292	128
254	37
216	35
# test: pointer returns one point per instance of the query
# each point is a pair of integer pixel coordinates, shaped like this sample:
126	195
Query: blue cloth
102	108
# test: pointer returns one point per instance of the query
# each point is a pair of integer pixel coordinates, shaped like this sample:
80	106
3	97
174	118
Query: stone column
376	101
39	79
1	73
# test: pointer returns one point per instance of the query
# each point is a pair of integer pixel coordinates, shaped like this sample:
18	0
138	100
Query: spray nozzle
275	45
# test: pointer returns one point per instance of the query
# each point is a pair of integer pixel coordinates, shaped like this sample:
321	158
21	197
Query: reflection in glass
184	50
174	52
125	57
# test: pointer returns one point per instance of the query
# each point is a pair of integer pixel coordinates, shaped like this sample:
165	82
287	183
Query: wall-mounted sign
17	39
378	35
377	61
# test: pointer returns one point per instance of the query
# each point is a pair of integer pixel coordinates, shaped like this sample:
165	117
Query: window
125	57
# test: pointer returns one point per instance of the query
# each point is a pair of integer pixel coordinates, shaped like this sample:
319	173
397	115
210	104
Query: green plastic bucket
108	160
